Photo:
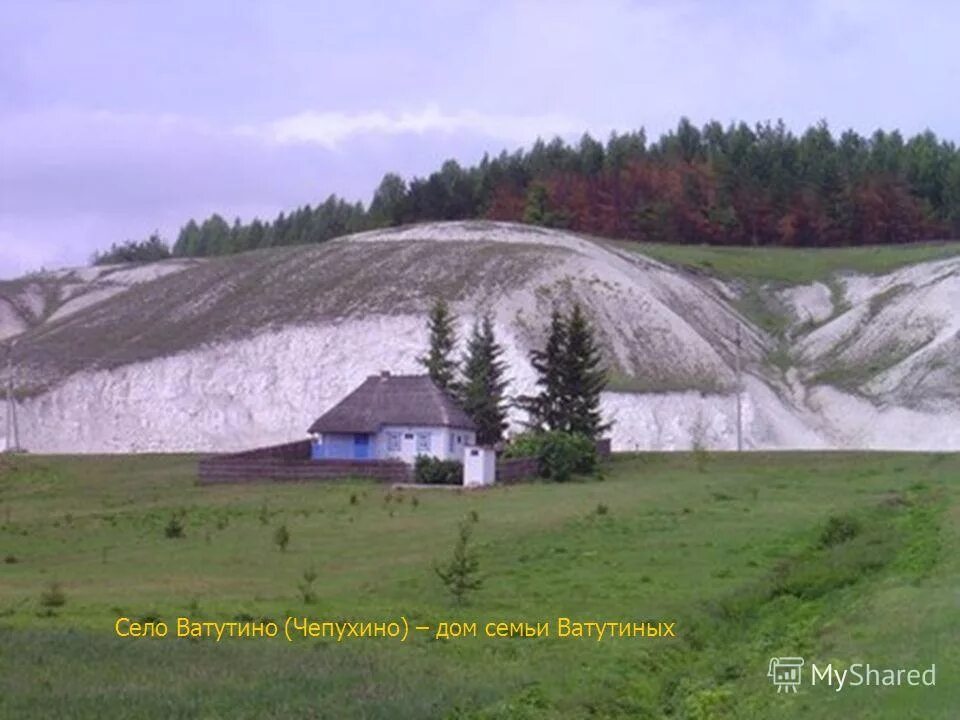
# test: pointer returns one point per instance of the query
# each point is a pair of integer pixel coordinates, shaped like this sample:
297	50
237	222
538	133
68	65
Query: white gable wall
405	442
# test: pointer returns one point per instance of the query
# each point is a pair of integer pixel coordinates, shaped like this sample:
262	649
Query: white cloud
332	128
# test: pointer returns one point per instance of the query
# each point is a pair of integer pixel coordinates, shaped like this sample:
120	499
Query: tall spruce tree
546	408
481	391
584	378
570	376
443	339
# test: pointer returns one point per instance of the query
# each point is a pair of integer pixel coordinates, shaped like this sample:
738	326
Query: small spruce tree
460	574
281	537
443	339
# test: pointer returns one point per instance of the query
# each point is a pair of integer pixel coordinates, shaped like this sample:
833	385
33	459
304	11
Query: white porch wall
439	442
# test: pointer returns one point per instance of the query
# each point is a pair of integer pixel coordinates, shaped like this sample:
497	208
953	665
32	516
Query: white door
408	444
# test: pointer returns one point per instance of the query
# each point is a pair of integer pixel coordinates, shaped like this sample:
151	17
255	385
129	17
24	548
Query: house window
451	442
408	436
423	442
393	442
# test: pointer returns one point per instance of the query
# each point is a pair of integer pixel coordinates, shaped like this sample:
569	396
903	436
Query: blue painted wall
362	447
343	447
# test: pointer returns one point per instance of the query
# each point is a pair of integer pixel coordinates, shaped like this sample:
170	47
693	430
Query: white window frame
424	442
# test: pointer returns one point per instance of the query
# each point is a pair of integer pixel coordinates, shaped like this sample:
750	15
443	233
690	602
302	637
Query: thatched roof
393	400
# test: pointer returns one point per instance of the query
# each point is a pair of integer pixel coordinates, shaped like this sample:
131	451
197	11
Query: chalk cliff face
231	352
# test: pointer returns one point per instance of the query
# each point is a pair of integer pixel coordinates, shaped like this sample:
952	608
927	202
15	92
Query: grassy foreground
739	551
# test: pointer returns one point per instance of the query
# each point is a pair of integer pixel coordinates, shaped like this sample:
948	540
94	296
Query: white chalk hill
245	350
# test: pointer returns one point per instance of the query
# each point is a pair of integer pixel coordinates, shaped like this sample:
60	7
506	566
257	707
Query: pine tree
481	391
546	408
460	575
570	377
387	206
443	339
188	241
584	378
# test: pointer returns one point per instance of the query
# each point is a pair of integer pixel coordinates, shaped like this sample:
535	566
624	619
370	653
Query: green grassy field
792	266
736	550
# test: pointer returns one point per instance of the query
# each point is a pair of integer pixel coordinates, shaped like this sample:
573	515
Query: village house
393	417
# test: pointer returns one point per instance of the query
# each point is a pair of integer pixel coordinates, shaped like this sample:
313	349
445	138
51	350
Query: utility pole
739	393
13	432
9	431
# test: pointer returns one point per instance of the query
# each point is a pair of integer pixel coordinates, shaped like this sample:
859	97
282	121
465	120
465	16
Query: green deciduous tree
559	454
536	211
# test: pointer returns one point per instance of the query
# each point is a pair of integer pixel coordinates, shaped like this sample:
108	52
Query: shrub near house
559	454
432	471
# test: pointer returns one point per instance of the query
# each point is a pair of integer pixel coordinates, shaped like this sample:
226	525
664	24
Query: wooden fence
513	470
291	462
603	448
299	450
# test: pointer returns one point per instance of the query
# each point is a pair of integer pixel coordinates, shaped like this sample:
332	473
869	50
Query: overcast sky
120	118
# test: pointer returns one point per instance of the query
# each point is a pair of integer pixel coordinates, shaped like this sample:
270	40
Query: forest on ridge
734	185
